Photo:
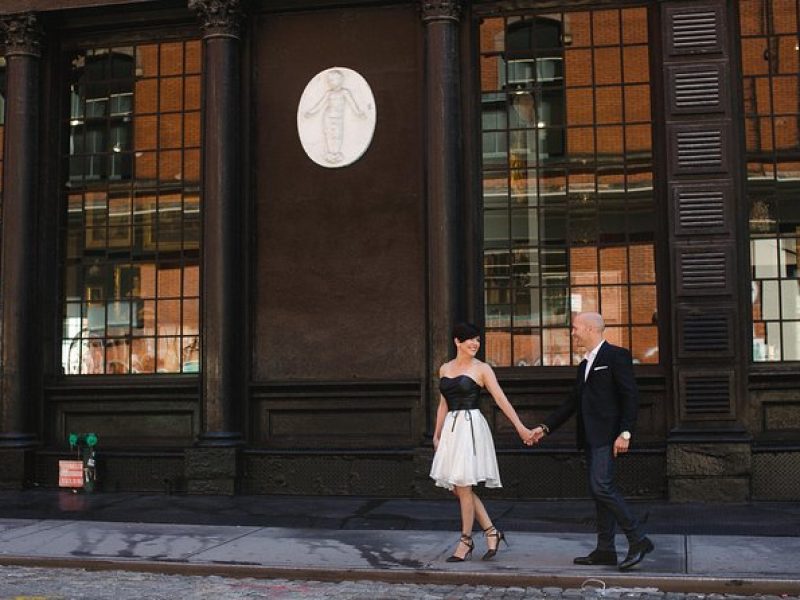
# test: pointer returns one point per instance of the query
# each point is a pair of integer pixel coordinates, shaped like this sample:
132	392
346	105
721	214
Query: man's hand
620	445
536	435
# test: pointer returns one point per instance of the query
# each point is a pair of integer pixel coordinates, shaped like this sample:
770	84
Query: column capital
440	10
220	18
22	34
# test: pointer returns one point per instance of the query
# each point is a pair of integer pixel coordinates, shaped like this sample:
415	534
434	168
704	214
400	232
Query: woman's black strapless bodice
461	393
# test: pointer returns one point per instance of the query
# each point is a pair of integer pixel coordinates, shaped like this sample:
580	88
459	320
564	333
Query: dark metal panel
699	149
339	290
705	331
704	270
335	415
695	30
698	88
122	414
707	394
703	208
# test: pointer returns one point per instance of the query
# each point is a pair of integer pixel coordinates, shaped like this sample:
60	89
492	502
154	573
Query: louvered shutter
700	180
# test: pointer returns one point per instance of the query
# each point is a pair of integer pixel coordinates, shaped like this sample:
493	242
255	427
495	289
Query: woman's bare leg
480	512
465	499
482	516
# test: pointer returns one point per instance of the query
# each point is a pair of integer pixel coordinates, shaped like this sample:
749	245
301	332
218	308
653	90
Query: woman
463	442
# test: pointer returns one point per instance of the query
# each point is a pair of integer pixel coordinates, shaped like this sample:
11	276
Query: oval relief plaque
336	117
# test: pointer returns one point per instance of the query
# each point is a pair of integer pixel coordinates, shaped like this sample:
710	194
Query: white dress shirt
590	356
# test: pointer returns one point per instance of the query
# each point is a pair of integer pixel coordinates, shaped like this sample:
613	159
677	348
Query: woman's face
469	346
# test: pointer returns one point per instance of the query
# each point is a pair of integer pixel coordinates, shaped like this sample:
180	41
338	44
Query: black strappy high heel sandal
499	536
467	541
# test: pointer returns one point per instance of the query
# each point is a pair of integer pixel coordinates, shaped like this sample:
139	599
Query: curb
745	585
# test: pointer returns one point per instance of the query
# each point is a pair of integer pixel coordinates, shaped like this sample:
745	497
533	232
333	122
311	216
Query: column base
212	470
709	471
17	468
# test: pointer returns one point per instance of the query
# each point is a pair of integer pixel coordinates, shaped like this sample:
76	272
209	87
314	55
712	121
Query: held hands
532	436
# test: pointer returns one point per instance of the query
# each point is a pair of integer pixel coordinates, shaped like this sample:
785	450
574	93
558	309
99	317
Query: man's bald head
593	320
587	329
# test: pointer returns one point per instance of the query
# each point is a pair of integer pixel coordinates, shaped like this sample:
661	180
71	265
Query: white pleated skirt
465	455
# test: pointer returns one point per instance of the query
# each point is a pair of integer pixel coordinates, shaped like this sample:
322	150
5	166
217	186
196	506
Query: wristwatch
625	435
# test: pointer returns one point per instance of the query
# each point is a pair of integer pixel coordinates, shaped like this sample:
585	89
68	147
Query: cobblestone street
24	583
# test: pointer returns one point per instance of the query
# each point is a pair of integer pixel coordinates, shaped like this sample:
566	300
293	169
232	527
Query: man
606	401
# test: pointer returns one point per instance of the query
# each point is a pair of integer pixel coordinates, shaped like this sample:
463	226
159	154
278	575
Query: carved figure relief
336	117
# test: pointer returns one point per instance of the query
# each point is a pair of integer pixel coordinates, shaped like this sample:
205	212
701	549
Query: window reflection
132	229
567	182
769	54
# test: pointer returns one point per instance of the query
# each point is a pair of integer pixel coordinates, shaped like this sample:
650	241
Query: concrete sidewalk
358	544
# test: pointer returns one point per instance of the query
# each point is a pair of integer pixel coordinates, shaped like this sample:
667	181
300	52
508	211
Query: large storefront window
132	195
770	47
567	172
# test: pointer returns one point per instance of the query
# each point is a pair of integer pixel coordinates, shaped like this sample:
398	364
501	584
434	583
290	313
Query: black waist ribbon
468	417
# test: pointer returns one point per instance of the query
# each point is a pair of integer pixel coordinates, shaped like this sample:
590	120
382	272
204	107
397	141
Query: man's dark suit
606	405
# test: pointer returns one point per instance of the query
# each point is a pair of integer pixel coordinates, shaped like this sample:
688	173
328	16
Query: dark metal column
443	147
20	347
222	303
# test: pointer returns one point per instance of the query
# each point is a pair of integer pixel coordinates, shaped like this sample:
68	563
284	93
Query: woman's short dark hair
465	331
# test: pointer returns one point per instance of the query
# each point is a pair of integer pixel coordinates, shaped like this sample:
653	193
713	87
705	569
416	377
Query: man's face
580	332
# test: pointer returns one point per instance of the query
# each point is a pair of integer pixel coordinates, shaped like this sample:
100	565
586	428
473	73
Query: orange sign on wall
70	473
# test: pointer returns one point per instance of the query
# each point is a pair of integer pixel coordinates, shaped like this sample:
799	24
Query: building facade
230	314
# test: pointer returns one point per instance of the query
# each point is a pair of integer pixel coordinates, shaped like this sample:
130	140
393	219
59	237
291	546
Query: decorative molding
219	18
440	10
22	34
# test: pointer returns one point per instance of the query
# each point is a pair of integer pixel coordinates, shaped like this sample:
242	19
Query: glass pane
556	347
634	25
769	300
790	299
791	340
492	38
614	265
495	228
643	304
498	348
764	258
555	269
168	355
614	304
526	268
555	306
584	299
606	27
526	307
645	345
583	266
526	348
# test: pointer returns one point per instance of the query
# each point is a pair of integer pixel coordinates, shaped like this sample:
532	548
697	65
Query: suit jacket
606	403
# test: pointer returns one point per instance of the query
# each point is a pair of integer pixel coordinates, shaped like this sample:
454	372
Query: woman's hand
526	435
435	442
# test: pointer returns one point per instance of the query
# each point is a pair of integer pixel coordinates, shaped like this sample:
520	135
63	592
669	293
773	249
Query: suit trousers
610	506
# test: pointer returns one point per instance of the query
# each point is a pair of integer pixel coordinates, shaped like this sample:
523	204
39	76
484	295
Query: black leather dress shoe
597	557
636	553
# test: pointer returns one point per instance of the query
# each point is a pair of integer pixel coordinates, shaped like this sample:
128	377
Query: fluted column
222	302
20	346
443	157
